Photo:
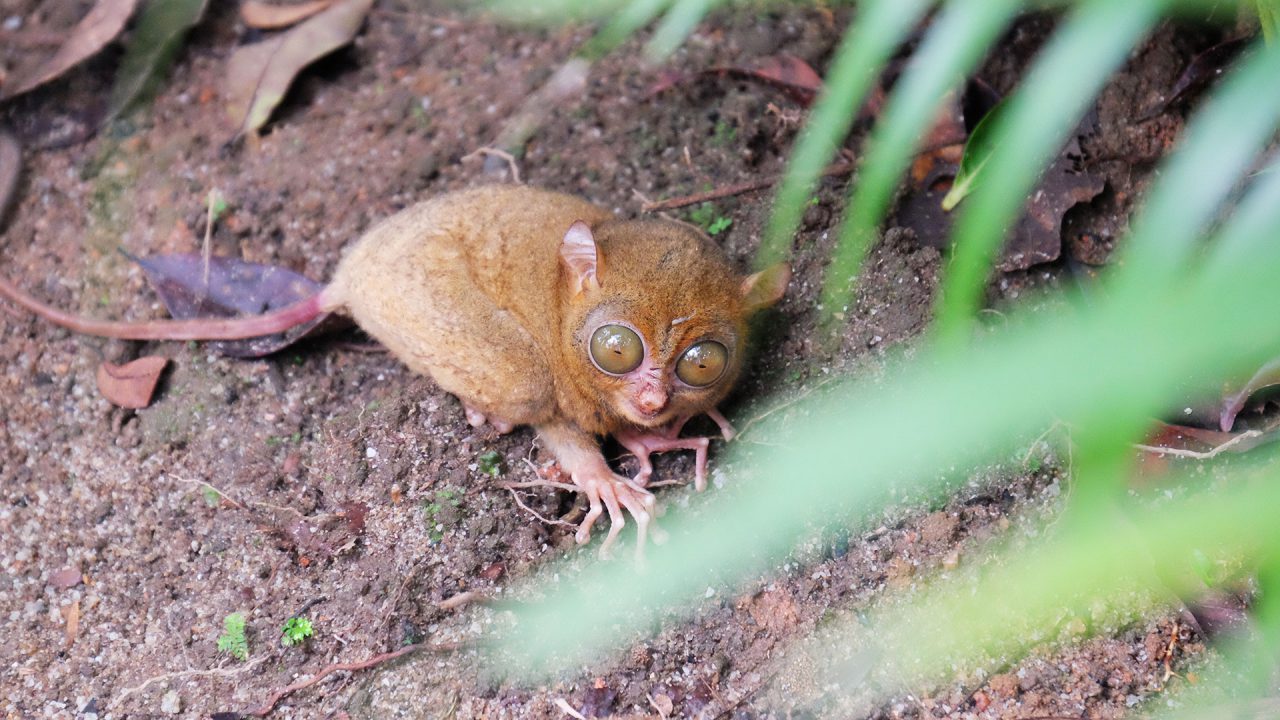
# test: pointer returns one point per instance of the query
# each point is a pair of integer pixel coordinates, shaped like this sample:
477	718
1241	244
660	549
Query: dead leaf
100	26
153	46
790	74
493	571
66	578
1035	239
1203	69
354	513
71	613
231	287
1218	611
131	385
268	16
259	75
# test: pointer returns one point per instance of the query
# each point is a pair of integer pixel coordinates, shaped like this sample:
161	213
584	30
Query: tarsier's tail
193	329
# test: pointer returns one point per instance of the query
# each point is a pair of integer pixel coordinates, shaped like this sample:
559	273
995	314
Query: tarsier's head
656	317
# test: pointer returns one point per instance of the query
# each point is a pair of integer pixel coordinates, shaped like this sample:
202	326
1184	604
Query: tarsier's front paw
608	491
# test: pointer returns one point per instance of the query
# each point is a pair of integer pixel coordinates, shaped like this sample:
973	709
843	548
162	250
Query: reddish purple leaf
1267	376
231	287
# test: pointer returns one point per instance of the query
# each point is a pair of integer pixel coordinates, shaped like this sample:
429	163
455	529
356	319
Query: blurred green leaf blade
875	34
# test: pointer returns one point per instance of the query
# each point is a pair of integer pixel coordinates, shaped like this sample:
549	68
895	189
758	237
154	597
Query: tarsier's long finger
700	465
637	506
617	521
583	535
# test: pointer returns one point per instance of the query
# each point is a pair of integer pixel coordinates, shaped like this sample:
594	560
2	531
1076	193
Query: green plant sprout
490	463
295	631
432	509
233	640
708	218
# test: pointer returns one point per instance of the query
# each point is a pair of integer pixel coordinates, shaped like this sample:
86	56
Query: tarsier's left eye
702	364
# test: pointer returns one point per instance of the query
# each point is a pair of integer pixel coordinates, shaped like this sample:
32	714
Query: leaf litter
132	384
269	16
793	76
939	183
103	23
259	75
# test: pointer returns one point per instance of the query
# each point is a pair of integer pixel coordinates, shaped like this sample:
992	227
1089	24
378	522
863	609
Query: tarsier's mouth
645	419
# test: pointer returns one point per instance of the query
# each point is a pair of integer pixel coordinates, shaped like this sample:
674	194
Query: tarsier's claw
611	493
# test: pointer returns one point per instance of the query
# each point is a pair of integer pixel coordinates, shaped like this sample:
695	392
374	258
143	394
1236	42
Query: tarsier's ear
764	288
581	258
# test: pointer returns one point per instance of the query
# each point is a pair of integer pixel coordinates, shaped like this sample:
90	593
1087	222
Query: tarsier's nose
651	400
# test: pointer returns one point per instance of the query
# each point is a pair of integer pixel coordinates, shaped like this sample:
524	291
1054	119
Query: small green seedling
233	640
295	630
211	497
490	464
431	510
217	206
706	217
723	133
719	225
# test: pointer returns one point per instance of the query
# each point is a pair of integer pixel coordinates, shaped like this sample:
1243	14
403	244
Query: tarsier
536	308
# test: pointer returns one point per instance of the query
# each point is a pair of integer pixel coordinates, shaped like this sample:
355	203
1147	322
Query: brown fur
469	289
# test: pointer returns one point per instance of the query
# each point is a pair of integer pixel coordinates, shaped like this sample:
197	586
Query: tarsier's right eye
616	349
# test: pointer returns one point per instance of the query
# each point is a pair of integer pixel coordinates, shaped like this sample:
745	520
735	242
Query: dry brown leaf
71	613
100	26
259	75
267	16
131	385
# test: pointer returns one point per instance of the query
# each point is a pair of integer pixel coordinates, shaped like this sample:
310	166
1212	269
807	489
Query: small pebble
13	22
171	704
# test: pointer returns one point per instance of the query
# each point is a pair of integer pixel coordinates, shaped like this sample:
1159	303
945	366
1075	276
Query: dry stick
328	670
217	672
782	406
1208	454
840	168
462	599
533	512
736	189
503	155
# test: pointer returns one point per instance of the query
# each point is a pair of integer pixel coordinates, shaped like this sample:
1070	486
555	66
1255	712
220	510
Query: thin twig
568	709
843	168
221	493
206	250
1208	454
462	599
328	670
533	512
538	483
806	393
216	672
501	154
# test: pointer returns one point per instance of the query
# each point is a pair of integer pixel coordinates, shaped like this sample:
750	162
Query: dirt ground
335	484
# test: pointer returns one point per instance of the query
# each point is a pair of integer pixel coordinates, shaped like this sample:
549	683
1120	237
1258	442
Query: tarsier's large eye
702	364
616	349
